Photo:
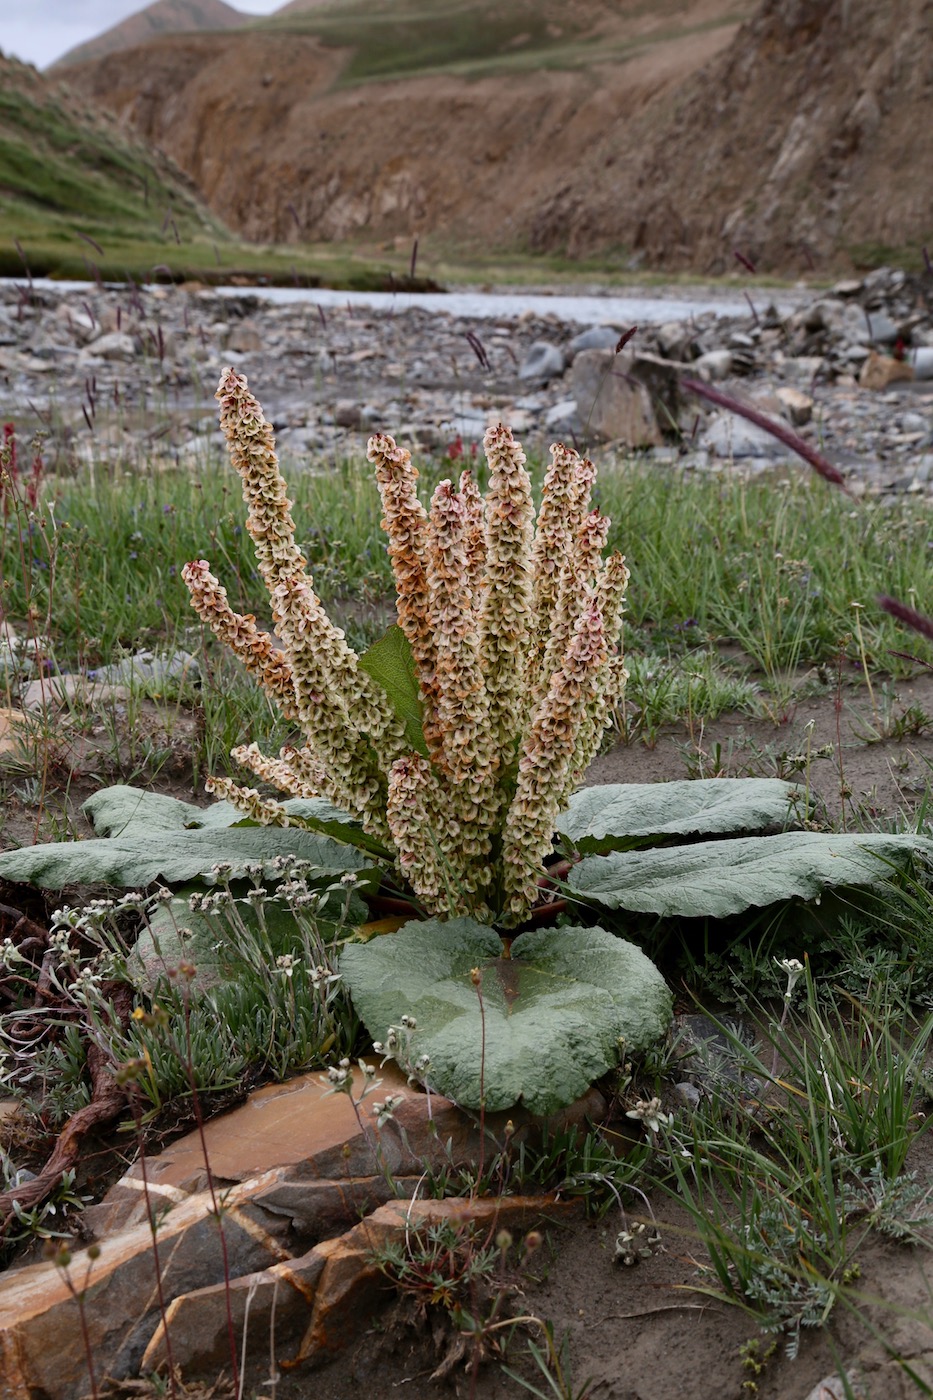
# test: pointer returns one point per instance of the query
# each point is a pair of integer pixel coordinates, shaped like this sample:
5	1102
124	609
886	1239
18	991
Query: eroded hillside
669	131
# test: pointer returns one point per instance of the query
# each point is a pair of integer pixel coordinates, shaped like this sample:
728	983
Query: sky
39	31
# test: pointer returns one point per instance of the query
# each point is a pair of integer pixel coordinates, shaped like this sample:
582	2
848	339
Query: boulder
613	404
543	363
616	396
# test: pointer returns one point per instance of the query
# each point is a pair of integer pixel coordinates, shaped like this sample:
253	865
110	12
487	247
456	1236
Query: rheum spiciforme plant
513	627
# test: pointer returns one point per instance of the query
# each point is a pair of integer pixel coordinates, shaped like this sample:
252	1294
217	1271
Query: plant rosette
445	763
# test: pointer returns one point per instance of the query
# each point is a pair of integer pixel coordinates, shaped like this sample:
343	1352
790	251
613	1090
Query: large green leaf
714	879
148	837
602	819
391	664
553	1014
128	811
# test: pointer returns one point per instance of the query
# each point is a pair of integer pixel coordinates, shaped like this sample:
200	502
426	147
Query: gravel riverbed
124	376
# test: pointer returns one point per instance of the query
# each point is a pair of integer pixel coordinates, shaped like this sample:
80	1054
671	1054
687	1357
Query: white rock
715	364
922	361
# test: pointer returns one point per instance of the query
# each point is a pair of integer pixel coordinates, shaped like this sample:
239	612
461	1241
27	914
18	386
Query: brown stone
299	1165
42	1355
11	722
878	371
279	1298
351	1281
313	1136
795	405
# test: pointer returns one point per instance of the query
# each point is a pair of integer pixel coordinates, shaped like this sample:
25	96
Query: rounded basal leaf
602	819
553	1014
148	837
714	879
128	811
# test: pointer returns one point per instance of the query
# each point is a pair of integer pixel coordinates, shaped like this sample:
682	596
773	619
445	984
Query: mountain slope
365	120
669	134
162	17
806	145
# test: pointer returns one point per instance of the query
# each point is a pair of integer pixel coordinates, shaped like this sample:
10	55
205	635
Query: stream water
633	308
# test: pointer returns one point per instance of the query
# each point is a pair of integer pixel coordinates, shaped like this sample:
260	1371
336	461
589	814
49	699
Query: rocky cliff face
806	141
797	138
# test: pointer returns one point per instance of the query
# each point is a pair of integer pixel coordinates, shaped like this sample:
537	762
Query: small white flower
286	964
648	1111
9	953
794	970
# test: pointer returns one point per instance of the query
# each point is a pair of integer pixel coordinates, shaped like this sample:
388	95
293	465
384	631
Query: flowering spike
505	613
264	810
239	632
545	765
474	536
502	623
577	576
426	839
405	521
610	682
281	772
252	451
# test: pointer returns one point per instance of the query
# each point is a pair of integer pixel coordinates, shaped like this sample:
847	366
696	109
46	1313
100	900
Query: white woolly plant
514	629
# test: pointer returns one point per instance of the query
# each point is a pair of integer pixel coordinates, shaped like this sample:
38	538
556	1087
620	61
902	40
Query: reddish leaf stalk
777	430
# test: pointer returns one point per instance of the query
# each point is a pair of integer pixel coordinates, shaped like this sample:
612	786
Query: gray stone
881	329
824	315
675	340
543	363
612	401
688	1094
596	338
116	345
563	417
146	667
729	436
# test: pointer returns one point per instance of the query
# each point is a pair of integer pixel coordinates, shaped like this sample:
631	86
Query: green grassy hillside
403	38
80	198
